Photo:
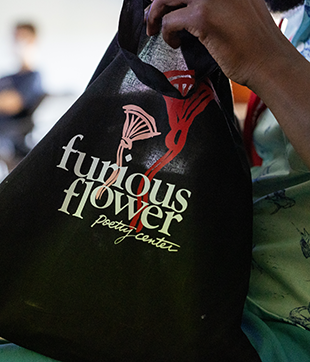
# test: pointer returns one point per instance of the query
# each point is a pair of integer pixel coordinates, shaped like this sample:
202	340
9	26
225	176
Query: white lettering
108	194
170	216
70	193
147	212
129	181
160	243
68	149
159	195
130	205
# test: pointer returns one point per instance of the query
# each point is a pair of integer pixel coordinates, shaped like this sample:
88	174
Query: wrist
277	78
283	84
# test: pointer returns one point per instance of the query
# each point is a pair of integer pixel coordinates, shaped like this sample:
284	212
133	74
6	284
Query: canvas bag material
126	232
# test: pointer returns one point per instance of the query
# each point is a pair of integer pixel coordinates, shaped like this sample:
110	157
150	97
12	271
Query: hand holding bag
126	233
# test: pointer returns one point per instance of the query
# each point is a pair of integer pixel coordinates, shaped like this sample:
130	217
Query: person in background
20	94
273	62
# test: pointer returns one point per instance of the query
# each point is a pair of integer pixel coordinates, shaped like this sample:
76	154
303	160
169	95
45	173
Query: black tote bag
125	234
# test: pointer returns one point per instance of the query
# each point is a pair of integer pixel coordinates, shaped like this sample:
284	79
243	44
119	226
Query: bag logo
138	125
145	210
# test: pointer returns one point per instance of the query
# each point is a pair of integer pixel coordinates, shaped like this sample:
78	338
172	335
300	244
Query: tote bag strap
131	28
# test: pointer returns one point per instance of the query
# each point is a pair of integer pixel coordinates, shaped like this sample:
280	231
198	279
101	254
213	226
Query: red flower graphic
181	114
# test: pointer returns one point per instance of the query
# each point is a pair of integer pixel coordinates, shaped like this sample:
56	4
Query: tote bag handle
131	27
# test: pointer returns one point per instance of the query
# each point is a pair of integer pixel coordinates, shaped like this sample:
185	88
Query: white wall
73	35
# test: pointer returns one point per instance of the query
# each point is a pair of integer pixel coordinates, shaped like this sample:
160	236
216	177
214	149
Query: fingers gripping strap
132	25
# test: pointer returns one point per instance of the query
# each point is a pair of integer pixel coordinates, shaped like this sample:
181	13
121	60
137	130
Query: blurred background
72	36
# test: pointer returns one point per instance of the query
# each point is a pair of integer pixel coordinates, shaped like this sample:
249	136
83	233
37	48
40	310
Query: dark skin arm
247	44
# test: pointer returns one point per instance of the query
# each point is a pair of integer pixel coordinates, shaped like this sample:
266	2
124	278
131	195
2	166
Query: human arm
245	41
